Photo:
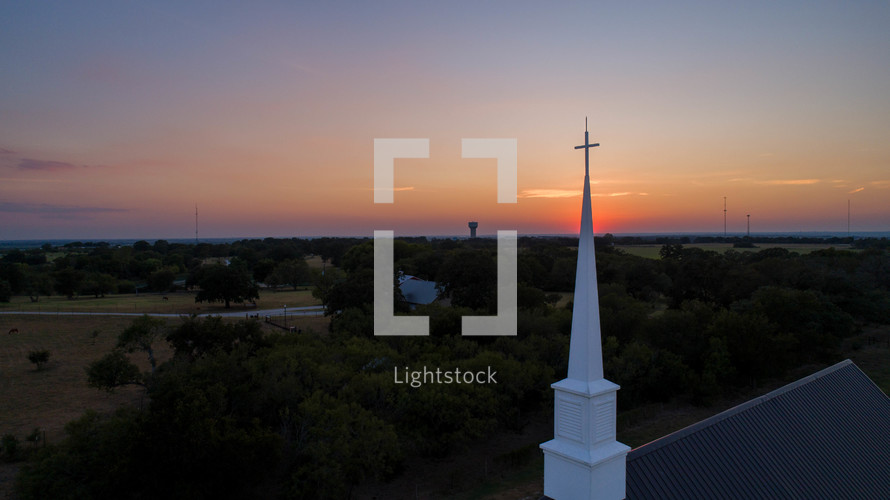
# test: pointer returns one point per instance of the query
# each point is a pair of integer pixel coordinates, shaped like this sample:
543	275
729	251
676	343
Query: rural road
291	311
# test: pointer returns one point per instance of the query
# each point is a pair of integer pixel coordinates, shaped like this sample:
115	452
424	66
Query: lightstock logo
385	320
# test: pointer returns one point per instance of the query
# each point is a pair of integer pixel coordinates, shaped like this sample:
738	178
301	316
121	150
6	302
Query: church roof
824	436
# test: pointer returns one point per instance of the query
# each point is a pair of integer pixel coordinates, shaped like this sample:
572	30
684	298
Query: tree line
99	269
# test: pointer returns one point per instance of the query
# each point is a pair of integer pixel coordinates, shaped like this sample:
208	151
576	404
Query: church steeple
586	353
584	460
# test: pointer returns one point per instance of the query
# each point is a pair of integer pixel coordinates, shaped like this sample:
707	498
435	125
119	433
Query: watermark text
416	378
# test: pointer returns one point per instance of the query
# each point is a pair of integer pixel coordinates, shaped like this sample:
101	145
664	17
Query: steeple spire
584	460
586	352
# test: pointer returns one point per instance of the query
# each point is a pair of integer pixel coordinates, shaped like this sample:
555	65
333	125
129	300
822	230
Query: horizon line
720	234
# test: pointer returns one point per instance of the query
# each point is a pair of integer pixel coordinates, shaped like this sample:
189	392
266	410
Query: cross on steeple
586	146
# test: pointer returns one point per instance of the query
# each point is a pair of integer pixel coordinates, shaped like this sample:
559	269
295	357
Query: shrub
10	447
5	291
39	358
126	286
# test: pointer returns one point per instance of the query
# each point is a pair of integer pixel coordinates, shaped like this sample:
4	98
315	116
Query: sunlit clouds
550	193
790	182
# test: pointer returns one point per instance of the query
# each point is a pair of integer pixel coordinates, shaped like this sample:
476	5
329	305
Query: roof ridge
735	410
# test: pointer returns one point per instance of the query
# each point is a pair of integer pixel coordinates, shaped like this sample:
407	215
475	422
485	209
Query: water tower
473	226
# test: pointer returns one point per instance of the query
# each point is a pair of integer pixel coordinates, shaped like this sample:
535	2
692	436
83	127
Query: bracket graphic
385	321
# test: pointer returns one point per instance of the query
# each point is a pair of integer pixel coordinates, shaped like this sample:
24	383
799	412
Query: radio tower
196	223
724	217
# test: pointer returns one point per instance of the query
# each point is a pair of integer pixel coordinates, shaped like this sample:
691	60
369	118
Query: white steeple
584	460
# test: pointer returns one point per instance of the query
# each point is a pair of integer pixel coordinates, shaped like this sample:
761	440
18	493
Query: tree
9	444
342	445
95	460
39	358
112	371
162	279
469	277
38	283
197	337
262	269
97	284
140	335
220	283
67	281
14	274
324	281
5	291
290	272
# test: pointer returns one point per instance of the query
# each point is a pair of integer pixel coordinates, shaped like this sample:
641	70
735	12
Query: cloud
48	211
571	193
4	151
623	193
32	179
48	165
856	190
880	184
791	182
550	193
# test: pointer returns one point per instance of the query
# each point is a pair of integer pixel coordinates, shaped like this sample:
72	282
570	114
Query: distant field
315	262
651	251
177	303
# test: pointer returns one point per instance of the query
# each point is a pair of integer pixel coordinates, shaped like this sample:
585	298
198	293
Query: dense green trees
5	291
222	283
292	272
98	268
237	412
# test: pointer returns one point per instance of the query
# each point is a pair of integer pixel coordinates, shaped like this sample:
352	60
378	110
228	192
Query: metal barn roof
824	436
418	291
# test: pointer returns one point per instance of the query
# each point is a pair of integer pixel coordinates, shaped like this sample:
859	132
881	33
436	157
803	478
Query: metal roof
824	436
418	291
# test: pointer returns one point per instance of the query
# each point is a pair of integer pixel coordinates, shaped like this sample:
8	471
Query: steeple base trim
583	460
567	477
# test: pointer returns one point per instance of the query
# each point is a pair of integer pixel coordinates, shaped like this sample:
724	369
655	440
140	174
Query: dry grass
315	262
58	393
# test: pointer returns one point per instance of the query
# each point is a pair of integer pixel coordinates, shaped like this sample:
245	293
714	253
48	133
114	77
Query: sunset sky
117	117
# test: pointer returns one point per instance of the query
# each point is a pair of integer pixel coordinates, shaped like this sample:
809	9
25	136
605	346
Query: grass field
177	303
651	251
315	262
58	393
